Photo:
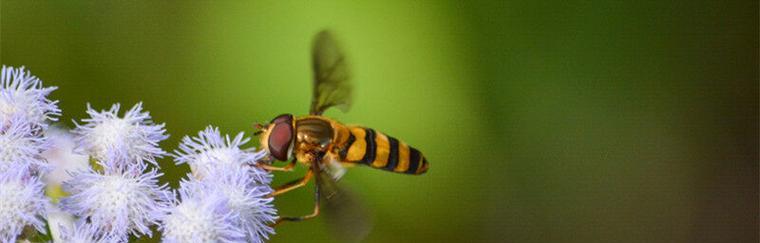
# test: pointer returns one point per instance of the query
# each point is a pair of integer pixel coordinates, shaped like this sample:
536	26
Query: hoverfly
325	145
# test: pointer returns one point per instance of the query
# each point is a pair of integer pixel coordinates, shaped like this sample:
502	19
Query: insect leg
287	168
293	184
315	213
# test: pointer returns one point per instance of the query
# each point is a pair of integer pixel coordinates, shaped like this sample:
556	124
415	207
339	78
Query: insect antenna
259	128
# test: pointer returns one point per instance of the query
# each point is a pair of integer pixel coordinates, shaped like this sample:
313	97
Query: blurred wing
347	219
332	86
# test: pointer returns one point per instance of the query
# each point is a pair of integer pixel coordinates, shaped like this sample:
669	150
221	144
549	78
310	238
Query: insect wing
345	216
332	86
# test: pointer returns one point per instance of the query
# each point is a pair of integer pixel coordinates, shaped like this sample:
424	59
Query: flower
23	94
61	159
22	202
211	151
248	199
84	233
200	216
119	201
57	219
132	138
60	156
221	167
19	145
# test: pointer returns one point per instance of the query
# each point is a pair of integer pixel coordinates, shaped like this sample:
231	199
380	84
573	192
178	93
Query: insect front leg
293	184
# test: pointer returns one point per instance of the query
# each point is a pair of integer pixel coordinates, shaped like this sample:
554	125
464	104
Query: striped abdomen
375	149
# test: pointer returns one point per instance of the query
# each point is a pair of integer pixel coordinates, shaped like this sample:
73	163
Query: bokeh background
559	121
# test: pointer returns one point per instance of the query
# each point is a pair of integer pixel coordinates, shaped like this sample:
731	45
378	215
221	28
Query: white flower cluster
25	112
121	196
225	199
118	196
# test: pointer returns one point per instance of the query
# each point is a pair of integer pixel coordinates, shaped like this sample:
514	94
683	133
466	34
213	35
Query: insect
327	146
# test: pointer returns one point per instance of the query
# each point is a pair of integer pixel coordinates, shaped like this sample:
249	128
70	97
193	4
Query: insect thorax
313	138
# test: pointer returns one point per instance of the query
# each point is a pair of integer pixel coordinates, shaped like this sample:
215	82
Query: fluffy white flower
57	220
61	159
133	138
19	145
119	201
200	216
248	199
22	202
22	94
60	156
210	151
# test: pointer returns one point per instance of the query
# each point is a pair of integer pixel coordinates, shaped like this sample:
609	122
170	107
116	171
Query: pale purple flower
60	156
19	145
200	216
57	219
211	151
22	202
85	233
22	94
61	159
132	138
221	166
119	201
248	199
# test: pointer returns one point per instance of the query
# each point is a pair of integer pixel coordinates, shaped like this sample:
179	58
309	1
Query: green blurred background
570	121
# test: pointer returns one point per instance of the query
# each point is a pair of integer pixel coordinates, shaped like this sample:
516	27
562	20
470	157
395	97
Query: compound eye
280	140
287	118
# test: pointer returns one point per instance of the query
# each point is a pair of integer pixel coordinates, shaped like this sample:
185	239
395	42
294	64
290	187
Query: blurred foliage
543	121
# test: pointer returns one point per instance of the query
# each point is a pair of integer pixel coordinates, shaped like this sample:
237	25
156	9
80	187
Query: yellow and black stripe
375	149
